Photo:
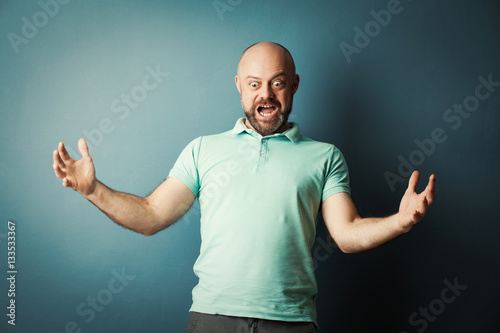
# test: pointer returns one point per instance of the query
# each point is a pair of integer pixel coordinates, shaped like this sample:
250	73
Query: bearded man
260	187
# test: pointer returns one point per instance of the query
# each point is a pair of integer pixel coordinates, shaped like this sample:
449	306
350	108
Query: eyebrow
258	78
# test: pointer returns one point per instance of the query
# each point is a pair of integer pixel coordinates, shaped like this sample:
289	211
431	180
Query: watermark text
11	272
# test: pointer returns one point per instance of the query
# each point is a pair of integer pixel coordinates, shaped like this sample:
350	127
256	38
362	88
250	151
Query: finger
67	183
414	216
412	183
421	210
57	160
430	194
84	149
417	215
424	205
63	153
59	173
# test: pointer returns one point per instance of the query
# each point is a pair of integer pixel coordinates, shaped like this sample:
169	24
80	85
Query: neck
283	128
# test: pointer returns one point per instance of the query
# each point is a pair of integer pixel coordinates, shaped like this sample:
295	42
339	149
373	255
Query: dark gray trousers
208	323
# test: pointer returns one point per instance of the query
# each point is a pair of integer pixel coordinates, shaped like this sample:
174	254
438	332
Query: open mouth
267	111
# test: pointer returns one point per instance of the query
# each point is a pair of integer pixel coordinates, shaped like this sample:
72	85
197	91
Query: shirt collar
292	133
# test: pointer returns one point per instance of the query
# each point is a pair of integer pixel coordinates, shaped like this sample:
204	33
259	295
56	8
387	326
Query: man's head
267	81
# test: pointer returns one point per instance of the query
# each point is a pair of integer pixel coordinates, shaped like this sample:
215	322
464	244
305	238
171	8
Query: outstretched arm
354	234
147	216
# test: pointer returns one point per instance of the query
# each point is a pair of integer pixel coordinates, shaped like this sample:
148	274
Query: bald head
266	81
265	51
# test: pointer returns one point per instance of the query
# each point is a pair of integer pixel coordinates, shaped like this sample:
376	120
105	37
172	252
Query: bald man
260	187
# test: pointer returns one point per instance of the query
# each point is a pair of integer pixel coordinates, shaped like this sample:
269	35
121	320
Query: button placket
262	153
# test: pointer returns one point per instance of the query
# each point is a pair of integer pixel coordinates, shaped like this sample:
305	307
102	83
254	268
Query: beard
268	126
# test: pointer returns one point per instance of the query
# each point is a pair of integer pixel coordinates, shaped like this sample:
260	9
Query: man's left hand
413	206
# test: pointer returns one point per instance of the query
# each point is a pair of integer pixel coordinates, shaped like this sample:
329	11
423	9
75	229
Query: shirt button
262	152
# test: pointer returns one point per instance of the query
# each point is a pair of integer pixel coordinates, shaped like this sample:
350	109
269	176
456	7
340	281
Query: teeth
266	110
262	113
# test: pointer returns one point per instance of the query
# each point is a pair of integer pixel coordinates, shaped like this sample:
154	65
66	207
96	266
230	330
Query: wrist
93	192
401	226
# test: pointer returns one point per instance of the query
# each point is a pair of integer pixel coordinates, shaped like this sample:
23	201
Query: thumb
84	149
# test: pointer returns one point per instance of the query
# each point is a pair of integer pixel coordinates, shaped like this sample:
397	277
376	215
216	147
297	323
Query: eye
254	84
277	83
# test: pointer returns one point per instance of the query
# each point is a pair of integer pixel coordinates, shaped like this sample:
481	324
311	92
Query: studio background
385	99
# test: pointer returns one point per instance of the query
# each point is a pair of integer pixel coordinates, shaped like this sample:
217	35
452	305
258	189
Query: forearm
125	209
368	233
354	234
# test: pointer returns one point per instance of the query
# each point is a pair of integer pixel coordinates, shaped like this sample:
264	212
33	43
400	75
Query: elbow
154	228
350	247
345	250
356	247
151	230
342	246
348	242
147	233
342	243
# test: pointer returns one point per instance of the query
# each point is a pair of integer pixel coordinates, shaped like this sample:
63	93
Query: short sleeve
337	176
185	168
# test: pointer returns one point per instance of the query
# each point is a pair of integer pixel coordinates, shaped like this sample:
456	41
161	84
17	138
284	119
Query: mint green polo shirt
259	199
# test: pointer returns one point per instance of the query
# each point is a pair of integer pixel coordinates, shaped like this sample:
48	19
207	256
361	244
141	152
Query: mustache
268	102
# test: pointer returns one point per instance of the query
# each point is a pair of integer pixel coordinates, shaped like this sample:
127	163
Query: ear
237	82
296	83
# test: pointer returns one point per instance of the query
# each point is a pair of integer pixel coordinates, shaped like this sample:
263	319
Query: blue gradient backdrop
64	73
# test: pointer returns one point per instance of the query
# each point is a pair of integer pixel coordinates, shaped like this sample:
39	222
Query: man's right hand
168	202
76	174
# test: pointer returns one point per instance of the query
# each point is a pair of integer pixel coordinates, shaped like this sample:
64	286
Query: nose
267	92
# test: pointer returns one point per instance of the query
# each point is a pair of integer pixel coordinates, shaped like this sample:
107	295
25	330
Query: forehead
264	62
